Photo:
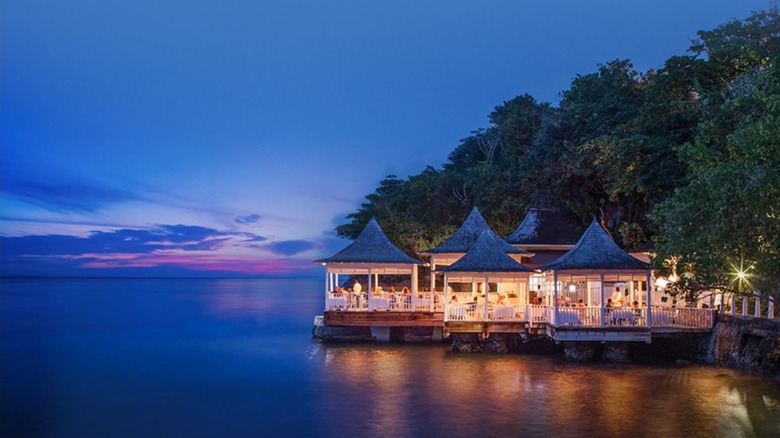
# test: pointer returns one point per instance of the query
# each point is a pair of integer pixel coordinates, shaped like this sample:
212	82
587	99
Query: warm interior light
572	288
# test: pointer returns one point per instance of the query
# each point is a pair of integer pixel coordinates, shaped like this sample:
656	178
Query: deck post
433	275
370	288
744	306
771	308
327	276
485	289
555	298
446	299
758	304
648	300
603	319
733	304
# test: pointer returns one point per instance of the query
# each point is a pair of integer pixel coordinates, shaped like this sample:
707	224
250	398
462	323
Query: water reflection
390	390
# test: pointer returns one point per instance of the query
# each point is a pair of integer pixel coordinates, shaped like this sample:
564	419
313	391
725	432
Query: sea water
235	358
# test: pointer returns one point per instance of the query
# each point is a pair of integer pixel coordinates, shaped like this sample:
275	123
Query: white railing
585	317
688	317
537	314
393	302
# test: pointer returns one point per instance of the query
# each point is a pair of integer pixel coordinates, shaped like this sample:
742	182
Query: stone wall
503	343
748	344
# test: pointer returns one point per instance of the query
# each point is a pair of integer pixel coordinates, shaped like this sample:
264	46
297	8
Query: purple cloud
290	247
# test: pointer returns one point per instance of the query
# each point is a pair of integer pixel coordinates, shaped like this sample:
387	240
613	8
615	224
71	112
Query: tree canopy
683	161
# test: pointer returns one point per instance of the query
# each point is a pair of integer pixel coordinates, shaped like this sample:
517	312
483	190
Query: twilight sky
220	138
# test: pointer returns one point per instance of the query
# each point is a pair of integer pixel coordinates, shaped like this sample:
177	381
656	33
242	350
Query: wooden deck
383	319
586	330
601	334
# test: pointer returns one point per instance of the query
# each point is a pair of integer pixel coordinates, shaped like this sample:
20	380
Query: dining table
504	311
622	316
568	316
379	303
336	302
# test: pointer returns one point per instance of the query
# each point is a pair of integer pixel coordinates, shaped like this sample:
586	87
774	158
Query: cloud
60	193
162	250
250	219
291	247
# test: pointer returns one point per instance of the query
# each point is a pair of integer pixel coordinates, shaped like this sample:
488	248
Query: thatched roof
467	235
543	226
486	255
596	251
371	246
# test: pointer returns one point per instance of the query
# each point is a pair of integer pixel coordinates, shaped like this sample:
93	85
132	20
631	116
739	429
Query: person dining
617	298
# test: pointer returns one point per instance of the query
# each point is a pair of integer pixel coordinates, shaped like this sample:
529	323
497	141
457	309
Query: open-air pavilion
487	263
370	256
457	245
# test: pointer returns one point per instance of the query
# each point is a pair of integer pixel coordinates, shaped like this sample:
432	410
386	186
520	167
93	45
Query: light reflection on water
235	358
398	389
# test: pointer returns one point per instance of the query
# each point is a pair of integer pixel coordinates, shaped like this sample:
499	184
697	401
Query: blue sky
193	137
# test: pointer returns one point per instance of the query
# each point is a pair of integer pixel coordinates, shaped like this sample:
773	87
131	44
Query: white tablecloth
336	302
379	302
568	316
619	315
504	311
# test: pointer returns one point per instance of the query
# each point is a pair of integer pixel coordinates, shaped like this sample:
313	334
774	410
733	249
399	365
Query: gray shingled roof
544	226
596	251
467	235
371	246
486	255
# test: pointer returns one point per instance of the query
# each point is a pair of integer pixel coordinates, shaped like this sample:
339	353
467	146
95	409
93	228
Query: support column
446	300
649	300
555	298
414	283
370	287
744	306
733	304
771	308
757	306
602	300
327	274
433	276
484	288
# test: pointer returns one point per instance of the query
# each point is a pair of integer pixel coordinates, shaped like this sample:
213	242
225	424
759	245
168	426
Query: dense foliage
684	160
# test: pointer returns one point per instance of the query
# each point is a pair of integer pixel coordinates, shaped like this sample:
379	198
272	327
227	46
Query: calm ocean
235	358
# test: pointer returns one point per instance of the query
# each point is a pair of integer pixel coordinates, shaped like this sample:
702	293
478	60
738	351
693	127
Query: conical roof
371	246
596	251
544	226
486	255
467	235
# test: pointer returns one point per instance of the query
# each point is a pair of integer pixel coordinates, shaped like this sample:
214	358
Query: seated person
567	303
580	303
617	298
500	299
454	299
609	303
